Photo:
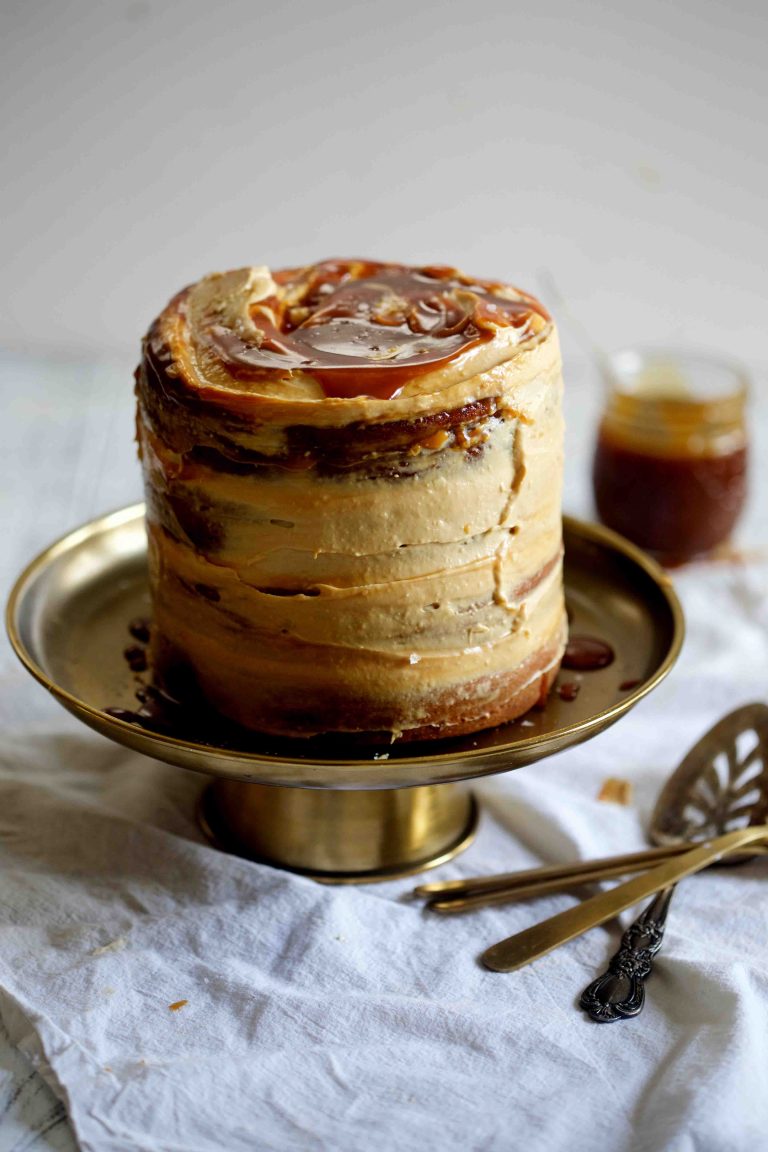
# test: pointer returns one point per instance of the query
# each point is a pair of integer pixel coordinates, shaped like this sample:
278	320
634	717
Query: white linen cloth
178	999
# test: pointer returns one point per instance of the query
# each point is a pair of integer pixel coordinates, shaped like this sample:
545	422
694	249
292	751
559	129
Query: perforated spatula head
721	785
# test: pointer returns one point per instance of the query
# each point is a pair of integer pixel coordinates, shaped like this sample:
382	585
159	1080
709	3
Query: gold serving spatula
720	786
697	803
716	789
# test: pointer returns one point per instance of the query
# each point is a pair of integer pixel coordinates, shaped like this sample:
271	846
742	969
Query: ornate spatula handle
620	992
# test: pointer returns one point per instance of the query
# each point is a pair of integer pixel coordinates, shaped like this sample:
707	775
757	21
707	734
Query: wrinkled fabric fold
317	1017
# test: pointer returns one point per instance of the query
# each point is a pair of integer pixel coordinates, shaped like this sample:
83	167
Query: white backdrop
620	147
616	149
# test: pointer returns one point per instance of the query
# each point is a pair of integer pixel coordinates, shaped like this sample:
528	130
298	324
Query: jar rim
660	372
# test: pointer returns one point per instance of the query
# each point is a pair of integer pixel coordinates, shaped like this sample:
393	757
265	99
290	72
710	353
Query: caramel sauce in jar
670	464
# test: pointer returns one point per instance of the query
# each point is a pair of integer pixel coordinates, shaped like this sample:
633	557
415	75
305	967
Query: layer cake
353	482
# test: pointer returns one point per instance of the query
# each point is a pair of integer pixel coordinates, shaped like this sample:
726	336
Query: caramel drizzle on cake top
363	328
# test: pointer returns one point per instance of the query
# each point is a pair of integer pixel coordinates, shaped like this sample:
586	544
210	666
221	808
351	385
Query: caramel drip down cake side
353	481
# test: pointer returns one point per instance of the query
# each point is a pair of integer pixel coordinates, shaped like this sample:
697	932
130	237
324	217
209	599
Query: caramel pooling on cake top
357	327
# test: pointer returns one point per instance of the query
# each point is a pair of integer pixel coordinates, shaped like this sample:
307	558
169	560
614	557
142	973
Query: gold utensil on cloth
714	788
697	802
450	896
518	950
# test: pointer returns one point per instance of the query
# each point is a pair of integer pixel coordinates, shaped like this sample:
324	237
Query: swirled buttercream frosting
353	475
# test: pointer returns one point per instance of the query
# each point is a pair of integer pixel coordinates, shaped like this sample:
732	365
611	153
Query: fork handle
508	881
619	993
457	901
476	892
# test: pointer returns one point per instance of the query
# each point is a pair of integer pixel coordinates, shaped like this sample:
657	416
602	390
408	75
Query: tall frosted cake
353	481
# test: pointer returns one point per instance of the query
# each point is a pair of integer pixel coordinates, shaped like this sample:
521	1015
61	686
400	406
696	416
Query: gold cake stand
327	807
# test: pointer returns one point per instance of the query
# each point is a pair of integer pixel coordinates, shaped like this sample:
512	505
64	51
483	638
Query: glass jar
670	461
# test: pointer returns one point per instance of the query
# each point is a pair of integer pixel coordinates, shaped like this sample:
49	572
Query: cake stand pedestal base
340	837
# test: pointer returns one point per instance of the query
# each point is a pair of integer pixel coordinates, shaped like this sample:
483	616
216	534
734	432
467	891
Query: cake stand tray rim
378	771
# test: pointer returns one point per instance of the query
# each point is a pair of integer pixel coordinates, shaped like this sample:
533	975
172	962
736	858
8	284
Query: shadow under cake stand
325	807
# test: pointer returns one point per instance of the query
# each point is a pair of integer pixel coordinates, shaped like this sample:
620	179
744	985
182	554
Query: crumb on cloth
614	790
113	946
